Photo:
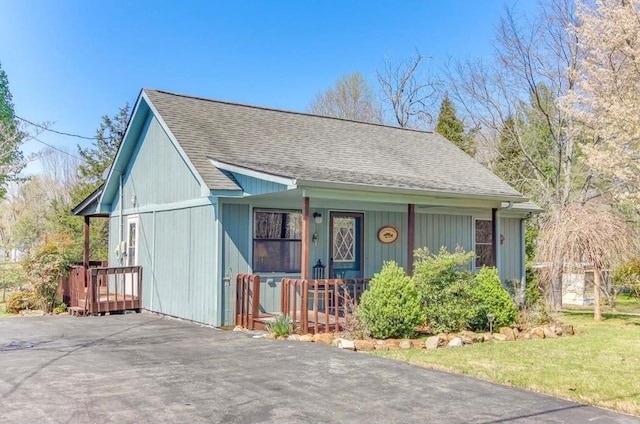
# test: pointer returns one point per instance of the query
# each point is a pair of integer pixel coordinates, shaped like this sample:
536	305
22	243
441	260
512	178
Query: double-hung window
277	240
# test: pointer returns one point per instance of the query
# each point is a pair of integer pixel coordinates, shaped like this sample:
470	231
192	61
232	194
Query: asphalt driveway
143	368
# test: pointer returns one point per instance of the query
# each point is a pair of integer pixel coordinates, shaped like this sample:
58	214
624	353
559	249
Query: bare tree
517	99
411	96
350	98
594	234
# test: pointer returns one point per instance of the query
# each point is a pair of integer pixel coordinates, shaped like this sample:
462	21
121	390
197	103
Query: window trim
253	239
475	244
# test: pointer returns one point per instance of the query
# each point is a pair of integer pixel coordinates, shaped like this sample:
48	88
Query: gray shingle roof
315	148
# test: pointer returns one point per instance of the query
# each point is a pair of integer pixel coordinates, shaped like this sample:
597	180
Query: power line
54	131
55	148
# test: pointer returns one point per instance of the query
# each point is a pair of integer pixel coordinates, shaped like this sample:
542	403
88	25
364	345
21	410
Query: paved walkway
146	369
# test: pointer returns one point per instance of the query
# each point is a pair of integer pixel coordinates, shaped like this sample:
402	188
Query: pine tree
11	159
452	128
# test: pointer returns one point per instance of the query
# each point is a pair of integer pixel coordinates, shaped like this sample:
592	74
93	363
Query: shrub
281	326
11	276
45	267
445	285
22	300
60	308
628	277
490	297
391	307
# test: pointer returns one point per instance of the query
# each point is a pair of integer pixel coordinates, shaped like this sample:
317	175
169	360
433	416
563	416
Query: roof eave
301	183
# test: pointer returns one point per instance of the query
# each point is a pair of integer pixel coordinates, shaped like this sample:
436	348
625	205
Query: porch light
317	217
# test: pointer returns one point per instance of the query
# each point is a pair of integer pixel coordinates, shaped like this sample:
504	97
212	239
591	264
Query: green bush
490	297
60	308
45	267
445	285
281	326
391	307
22	300
628	277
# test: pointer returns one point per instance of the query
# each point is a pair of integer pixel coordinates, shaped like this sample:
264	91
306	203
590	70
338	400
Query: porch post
85	245
411	221
494	236
304	271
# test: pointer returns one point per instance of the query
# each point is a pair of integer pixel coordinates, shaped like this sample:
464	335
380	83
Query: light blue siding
158	174
511	265
255	186
182	280
434	231
235	252
375	252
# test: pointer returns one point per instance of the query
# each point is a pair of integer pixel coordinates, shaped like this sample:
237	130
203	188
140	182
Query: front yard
599	366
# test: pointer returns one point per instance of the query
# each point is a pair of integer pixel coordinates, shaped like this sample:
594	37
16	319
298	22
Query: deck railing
114	289
102	289
247	305
321	305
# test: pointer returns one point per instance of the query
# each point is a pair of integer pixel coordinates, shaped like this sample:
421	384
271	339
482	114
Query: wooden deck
101	290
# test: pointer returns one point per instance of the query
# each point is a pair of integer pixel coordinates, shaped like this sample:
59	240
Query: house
201	190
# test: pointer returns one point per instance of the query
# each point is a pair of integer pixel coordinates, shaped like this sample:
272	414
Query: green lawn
599	366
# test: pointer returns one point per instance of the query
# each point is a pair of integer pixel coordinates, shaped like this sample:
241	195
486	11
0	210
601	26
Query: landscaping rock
468	337
567	330
499	337
432	342
404	344
238	328
549	333
294	337
306	338
455	342
486	337
417	344
323	338
537	333
381	346
392	342
346	344
269	336
364	345
508	333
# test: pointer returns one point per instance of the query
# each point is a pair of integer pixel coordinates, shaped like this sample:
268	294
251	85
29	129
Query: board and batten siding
176	239
157	173
434	231
510	249
376	252
183	281
255	186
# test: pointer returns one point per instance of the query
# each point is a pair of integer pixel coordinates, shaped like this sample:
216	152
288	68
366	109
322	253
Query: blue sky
70	62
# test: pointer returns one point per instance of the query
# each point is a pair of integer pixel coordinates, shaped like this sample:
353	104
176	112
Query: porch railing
321	305
247	304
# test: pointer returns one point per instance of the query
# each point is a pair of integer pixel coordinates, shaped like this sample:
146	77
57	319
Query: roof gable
306	147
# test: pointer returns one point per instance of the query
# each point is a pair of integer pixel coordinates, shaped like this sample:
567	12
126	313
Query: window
277	241
132	241
484	243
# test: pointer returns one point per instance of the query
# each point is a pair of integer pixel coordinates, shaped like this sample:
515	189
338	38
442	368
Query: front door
346	245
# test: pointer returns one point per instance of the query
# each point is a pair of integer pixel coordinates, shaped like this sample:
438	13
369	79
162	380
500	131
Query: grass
625	304
599	366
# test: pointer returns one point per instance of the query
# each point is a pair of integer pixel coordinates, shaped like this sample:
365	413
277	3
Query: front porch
315	306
